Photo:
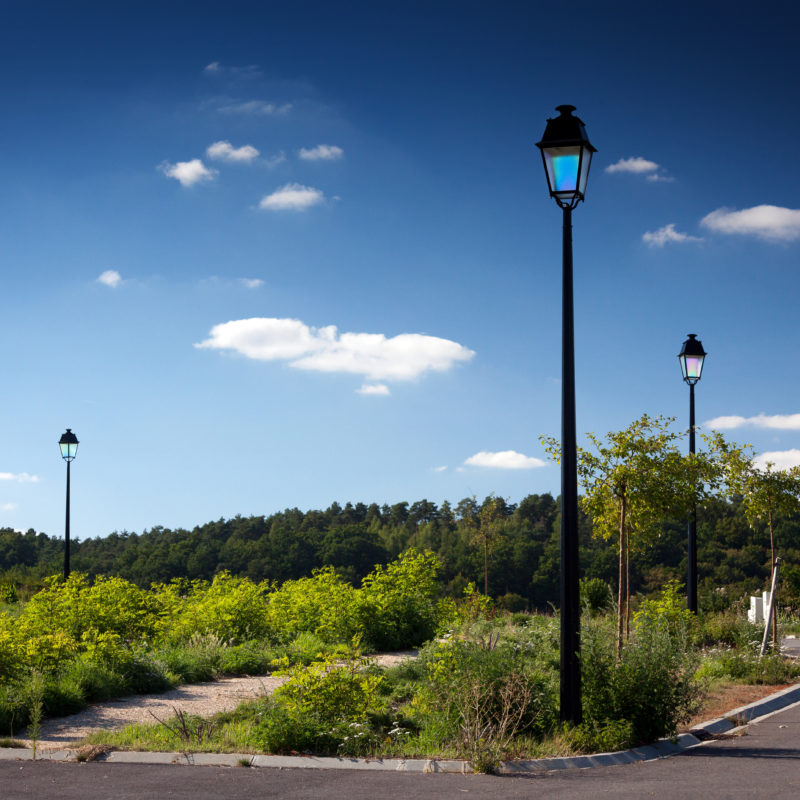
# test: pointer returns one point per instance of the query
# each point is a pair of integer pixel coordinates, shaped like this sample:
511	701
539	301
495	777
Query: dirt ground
726	698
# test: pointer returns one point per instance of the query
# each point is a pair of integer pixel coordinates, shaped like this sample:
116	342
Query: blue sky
265	255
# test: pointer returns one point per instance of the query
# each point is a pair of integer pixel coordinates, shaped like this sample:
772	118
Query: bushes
652	685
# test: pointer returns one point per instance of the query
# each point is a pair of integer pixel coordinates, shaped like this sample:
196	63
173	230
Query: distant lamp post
692	356
567	155
68	444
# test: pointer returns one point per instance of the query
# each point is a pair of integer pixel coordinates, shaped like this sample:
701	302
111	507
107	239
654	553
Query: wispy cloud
19	477
110	278
376	389
251	283
292	197
9	507
225	151
373	355
439	469
216	68
636	165
667	235
770	223
188	173
660	177
504	459
322	152
777	422
782	459
254	108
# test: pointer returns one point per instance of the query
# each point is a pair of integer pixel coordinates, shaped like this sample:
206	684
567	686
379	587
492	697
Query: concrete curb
731	721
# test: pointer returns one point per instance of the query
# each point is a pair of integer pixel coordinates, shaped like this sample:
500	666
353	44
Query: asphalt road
764	763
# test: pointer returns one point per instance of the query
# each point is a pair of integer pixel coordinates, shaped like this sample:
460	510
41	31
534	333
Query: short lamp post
692	357
68	444
567	155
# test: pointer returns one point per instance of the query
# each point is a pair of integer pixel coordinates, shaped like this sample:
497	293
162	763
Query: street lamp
692	357
567	155
68	444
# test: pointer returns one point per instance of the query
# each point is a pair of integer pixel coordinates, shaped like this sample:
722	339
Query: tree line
519	559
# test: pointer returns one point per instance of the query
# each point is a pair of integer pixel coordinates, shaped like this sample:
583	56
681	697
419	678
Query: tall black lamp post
68	443
567	155
692	357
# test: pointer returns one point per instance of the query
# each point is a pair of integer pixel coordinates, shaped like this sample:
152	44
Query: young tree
633	480
484	526
765	492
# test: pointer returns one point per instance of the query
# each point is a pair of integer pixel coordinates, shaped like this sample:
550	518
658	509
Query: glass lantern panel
692	367
586	162
68	451
562	168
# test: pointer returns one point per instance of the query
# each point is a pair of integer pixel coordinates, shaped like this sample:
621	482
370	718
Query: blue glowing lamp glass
692	356
567	155
68	443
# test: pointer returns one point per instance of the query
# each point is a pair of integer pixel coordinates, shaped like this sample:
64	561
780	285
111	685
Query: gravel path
203	699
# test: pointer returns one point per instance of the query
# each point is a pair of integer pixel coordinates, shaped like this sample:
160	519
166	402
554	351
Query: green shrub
512	602
652	684
595	595
321	708
397	603
744	665
728	628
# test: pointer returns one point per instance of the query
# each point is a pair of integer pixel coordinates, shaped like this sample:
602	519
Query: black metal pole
691	589
570	604
66	532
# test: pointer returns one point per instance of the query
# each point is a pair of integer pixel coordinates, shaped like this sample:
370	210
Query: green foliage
397	604
651	684
595	595
744	665
320	708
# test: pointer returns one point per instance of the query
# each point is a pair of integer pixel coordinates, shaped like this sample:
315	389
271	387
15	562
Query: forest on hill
513	549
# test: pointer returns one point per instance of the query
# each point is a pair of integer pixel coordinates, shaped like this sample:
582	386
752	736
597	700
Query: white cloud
505	459
378	389
212	68
637	165
782	459
110	278
9	507
373	355
322	152
292	197
19	477
255	107
771	223
251	283
225	151
273	161
778	422
666	235
188	172
439	469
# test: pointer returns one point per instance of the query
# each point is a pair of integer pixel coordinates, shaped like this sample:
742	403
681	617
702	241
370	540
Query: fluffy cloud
110	278
377	389
667	235
251	283
782	459
372	355
292	197
504	459
771	223
778	422
637	165
19	477
255	108
225	151
188	172
322	152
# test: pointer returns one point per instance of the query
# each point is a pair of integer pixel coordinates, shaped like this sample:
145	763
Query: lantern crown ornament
567	156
